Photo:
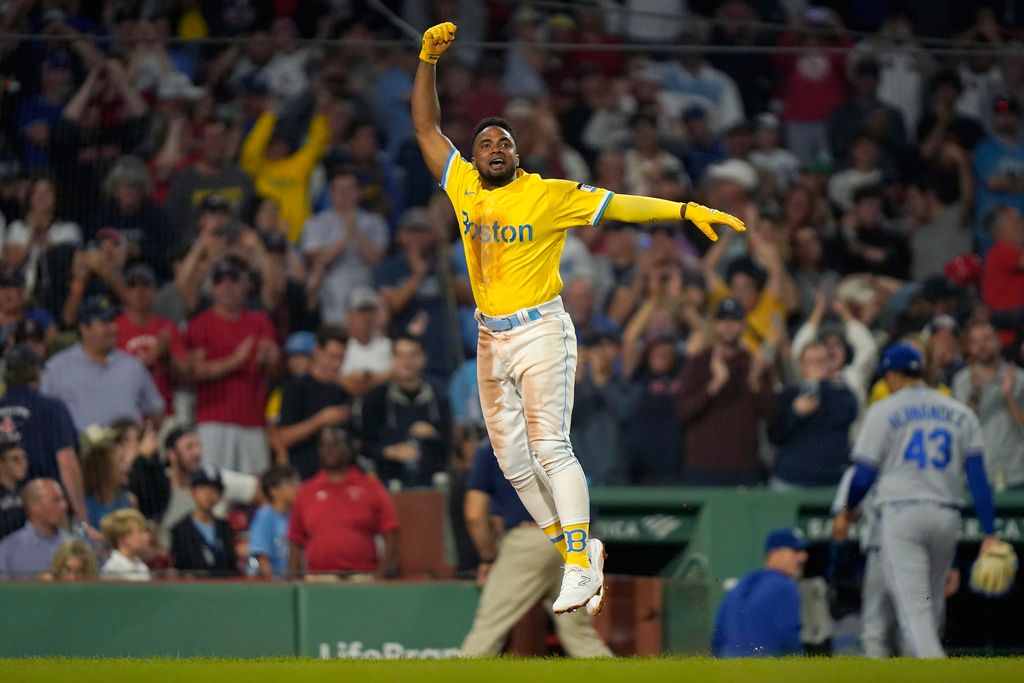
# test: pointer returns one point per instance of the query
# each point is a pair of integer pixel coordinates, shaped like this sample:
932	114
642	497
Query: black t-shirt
965	130
301	398
12	511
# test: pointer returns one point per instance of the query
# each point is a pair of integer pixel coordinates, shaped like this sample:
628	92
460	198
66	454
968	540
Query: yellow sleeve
255	146
456	177
574	204
273	409
630	208
316	143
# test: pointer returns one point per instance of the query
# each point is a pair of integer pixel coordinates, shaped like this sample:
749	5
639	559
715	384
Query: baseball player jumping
513	230
916	447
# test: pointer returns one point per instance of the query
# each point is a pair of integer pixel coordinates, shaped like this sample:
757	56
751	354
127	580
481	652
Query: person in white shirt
40	229
368	352
128	534
184	457
769	156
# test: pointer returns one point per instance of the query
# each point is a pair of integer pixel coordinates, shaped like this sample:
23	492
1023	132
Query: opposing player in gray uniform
878	625
919	446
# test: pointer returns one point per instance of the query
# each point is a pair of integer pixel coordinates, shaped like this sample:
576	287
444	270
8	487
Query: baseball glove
994	570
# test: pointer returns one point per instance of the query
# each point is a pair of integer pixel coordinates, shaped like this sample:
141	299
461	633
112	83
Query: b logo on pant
575	541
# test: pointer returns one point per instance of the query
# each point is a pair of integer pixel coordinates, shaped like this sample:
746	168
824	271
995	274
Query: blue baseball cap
785	537
96	308
300	344
902	357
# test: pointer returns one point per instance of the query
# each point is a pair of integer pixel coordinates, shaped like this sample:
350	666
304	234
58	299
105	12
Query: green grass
677	670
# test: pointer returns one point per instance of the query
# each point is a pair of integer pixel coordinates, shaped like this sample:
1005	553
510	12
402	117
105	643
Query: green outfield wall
704	537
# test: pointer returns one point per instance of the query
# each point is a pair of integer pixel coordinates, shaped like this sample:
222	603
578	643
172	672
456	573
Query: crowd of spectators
228	281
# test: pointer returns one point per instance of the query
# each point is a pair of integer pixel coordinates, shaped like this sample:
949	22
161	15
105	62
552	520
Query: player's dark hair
329	333
493	121
275	476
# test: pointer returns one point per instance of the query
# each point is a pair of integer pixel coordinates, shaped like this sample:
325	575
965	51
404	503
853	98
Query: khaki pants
527	569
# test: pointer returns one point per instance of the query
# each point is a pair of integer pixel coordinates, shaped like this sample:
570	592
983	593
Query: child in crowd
127	532
268	534
201	543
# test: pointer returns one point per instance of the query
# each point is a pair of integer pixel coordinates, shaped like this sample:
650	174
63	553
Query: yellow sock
576	536
554	532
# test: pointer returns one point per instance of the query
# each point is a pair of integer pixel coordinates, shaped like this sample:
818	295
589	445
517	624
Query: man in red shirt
232	353
1002	277
152	339
339	513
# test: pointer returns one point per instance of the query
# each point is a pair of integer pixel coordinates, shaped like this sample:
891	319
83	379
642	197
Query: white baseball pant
527	378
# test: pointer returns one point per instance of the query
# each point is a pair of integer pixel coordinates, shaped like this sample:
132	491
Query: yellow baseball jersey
514	235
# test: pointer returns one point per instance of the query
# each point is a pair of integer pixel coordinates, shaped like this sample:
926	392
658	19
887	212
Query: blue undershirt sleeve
863	478
981	493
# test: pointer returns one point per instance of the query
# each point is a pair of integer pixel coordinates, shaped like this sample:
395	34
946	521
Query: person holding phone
813	425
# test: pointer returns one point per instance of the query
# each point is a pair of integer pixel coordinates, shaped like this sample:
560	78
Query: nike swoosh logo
470	192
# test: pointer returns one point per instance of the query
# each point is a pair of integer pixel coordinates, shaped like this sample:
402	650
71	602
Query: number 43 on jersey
934	449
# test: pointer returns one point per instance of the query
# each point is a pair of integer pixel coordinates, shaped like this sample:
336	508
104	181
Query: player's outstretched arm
426	111
635	209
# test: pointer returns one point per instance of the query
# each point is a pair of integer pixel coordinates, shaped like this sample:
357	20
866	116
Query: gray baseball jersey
918	440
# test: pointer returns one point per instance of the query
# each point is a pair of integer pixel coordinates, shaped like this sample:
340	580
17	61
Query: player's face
494	156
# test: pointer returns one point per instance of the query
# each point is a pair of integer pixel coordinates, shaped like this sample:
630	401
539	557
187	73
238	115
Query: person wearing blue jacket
760	616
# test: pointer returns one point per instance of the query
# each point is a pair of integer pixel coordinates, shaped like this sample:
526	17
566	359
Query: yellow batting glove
436	40
703	218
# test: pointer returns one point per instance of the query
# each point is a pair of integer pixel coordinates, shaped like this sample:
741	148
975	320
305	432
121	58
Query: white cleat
578	586
597	554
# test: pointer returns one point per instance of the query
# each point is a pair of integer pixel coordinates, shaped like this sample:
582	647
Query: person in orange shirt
513	230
